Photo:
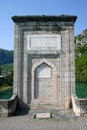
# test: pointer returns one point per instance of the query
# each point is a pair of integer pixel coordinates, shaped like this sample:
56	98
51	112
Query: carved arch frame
54	70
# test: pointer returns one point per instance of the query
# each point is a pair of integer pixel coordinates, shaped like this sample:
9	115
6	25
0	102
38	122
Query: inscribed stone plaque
43	115
44	42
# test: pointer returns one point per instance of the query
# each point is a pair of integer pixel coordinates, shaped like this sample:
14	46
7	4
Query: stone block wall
44	40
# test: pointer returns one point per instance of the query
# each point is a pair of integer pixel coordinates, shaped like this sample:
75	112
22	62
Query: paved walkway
61	121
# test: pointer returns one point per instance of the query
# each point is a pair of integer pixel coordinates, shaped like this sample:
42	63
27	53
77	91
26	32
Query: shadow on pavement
21	112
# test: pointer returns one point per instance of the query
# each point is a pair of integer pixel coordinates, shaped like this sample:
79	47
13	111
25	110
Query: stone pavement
62	120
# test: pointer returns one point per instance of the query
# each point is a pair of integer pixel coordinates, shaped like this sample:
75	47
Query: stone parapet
8	107
79	106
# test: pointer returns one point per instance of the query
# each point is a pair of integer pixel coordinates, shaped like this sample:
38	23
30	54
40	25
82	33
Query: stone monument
44	61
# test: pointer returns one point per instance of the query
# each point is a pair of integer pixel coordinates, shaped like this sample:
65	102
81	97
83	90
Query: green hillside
6	56
81	72
6	68
81	63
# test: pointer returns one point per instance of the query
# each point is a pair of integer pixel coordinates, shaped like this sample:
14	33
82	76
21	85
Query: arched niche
43	71
44	82
43	75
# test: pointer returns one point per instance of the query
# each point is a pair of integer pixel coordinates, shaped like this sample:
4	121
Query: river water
6	94
81	91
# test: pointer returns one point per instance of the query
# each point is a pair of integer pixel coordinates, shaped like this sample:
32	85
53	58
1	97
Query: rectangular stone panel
44	42
43	115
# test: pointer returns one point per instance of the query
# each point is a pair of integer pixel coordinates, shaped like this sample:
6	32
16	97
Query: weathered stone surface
43	115
79	106
8	107
49	41
44	42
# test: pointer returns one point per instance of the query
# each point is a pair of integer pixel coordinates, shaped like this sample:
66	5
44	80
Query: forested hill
6	56
81	56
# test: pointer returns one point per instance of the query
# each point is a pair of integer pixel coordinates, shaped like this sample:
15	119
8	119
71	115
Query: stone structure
44	61
8	106
79	105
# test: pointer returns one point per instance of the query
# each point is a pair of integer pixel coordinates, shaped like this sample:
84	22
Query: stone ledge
45	18
8	106
79	105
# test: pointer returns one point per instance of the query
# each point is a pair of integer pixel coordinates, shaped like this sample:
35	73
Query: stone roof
45	18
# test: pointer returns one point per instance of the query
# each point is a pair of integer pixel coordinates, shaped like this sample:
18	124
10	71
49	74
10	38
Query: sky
9	8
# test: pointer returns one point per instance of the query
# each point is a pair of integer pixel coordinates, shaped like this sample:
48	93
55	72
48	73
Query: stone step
54	114
42	115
